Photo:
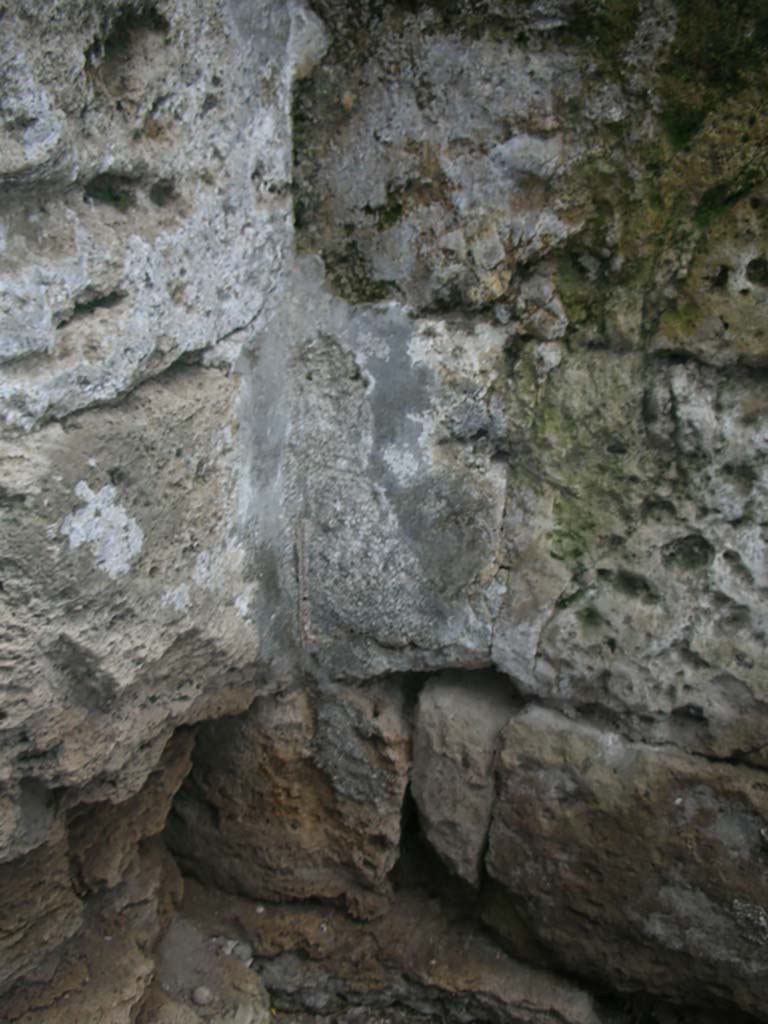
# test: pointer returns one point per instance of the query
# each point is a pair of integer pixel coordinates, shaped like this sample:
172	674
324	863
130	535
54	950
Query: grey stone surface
145	220
636	862
124	602
455	743
636	558
378	507
145	186
348	345
546	193
449	190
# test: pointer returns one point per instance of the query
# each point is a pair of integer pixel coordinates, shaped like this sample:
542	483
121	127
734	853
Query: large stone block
372	488
456	736
124	609
39	910
640	865
144	181
104	838
299	799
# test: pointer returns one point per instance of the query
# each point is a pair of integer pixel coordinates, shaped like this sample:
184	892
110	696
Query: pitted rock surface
383	480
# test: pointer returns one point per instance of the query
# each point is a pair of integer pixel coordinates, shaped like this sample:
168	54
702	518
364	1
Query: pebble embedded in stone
202	996
243	951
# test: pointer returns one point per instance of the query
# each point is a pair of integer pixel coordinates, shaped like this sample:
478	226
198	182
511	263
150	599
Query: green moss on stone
680	320
575	527
718	47
711	204
117	190
389	214
681	122
608	25
590	617
574	288
719	42
350	277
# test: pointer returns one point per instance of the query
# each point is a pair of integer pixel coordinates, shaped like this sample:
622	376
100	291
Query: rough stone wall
146	219
383	386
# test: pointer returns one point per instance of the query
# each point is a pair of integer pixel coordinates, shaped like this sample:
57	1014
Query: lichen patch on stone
115	538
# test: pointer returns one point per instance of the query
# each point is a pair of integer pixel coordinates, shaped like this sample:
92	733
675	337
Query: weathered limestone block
384	537
145	210
107	877
104	838
144	223
227	477
417	956
299	799
591	183
145	220
104	973
717	317
635	549
458	720
38	908
426	157
124	608
640	865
